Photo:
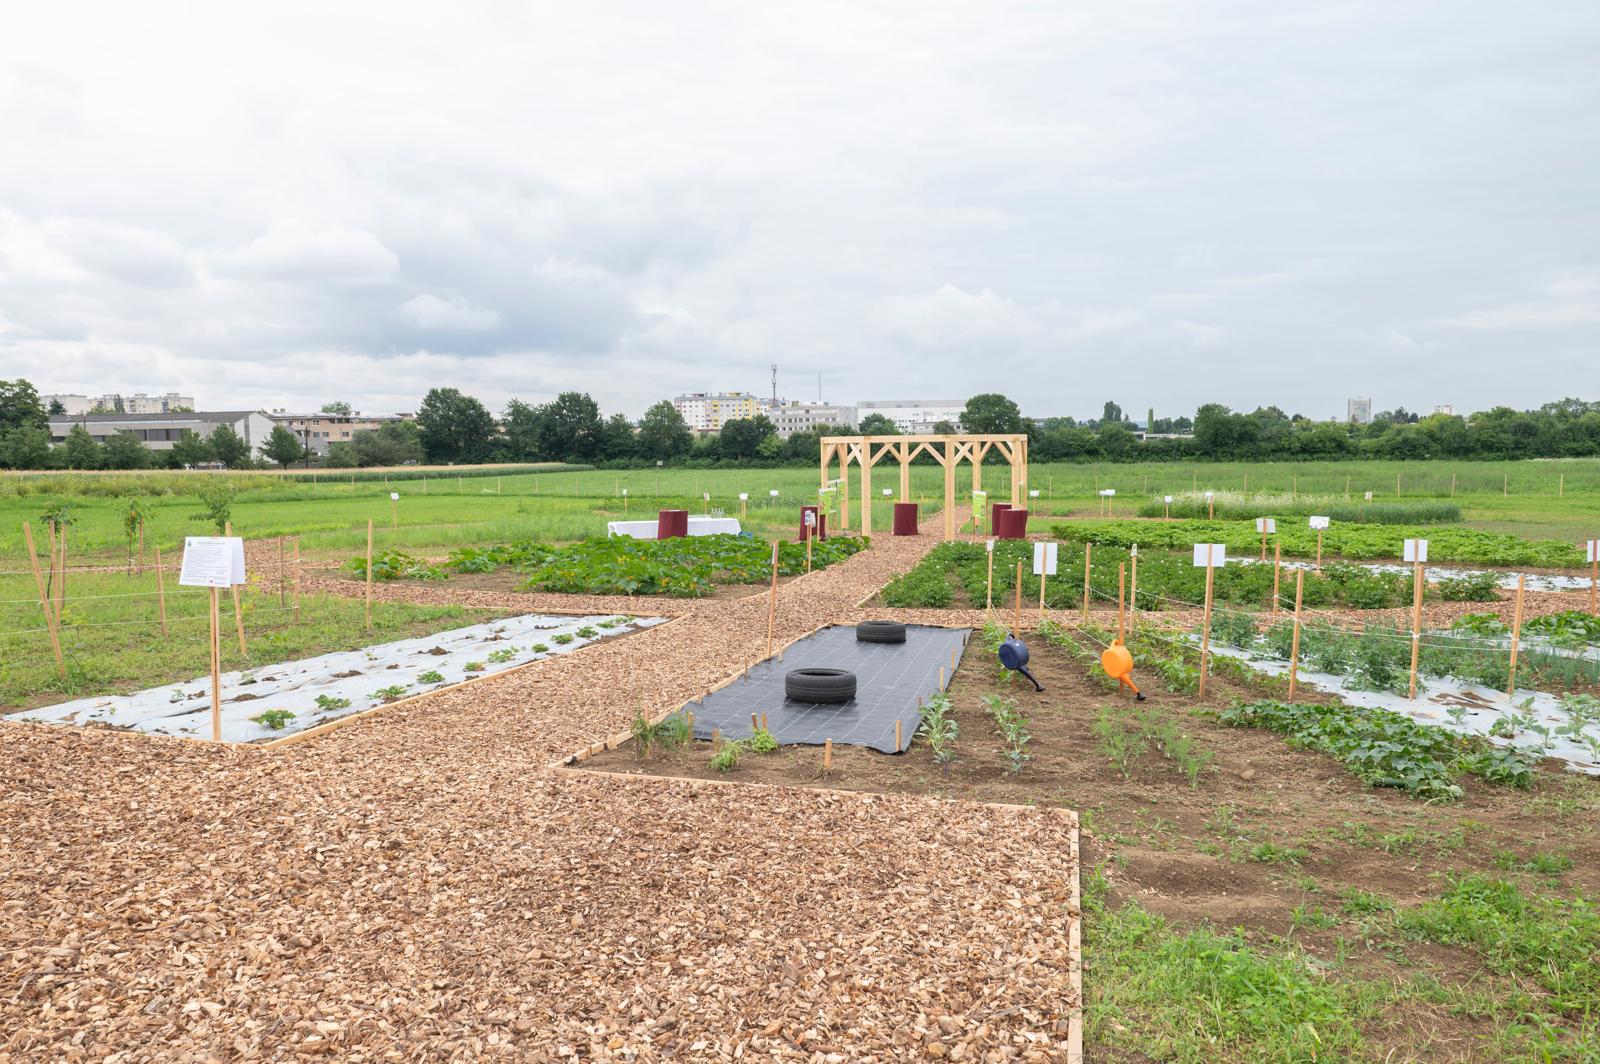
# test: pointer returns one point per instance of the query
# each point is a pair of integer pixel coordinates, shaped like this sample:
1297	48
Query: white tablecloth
698	526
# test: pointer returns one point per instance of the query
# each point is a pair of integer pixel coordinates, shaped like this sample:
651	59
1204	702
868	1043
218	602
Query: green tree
991	413
341	455
25	447
283	446
79	451
1111	414
663	434
190	450
57	407
20	406
126	451
455	427
570	428
216	502
520	429
339	407
945	428
392	443
741	438
877	425
617	440
229	447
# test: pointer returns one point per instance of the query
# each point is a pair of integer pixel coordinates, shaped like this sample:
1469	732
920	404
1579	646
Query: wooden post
827	756
1016	620
1319	550
238	610
1505	485
216	671
161	591
1594	583
141	544
1397	485
1277	570
1211	507
283	576
1294	641
988	592
1122	583
1347	486
297	576
1133	590
1205	625
44	600
1516	637
811	532
772	600
1041	597
1086	549
1294	485
1452	485
369	572
61	584
1263	542
897	735
394	511
1561	486
1416	623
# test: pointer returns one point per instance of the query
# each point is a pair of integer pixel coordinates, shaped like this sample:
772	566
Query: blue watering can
1014	656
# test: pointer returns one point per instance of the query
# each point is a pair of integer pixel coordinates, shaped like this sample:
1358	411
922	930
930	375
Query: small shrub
503	655
539	648
939	730
561	639
762	742
275	719
588	631
726	758
329	703
392	693
473	666
1473	587
431	676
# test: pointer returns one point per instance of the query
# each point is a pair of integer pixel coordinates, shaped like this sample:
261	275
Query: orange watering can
1118	664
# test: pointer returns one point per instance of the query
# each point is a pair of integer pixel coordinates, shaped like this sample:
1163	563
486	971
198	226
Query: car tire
880	632
819	685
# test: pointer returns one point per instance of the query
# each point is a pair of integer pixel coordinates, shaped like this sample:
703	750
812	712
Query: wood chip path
422	886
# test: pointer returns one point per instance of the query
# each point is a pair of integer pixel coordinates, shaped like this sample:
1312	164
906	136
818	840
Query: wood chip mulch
422	886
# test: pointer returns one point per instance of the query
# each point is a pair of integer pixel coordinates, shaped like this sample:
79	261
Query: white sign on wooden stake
1594	550
811	518
1369	496
888	491
773	493
1167	499
212	561
1216	552
744	496
989	546
1044	559
1033	493
1416	550
1266	524
1319	523
394	496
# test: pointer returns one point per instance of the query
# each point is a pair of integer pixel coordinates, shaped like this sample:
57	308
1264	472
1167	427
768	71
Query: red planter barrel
822	523
905	518
1013	524
994	517
672	523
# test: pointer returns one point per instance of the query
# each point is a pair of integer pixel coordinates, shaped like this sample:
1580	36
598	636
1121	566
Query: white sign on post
1319	523
1594	550
811	518
394	496
1213	554
1369	496
1416	550
624	491
1210	494
989	546
773	493
1033	493
1267	525
744	496
1044	559
1167	499
888	491
706	495
212	561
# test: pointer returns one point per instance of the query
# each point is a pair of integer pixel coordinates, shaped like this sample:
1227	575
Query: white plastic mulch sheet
1476	709
1534	581
355	675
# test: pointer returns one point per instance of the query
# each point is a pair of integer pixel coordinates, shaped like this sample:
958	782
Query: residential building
1359	411
790	418
915	415
1444	408
707	412
318	431
71	402
159	431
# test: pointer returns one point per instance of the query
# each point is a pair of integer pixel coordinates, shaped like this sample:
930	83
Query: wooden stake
1205	629
1319	550
1133	590
1263	543
297	577
1416	623
1041	597
988	591
1505	485
1277	570
1516	637
1347	487
369	572
1087	547
755	722
1016	621
1594	584
44	600
283	576
1122	581
394	512
811	532
61	584
216	671
161	591
772	600
941	677
1452	485
238	610
763	722
1294	641
897	735
141	544
1561	487
827	755
716	739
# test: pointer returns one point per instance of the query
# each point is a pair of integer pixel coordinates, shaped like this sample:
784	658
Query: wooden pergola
948	451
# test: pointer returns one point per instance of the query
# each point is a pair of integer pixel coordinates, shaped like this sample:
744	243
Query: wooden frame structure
949	451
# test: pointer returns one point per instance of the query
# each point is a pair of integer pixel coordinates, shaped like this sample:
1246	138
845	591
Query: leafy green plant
726	757
329	703
503	655
561	638
276	719
939	730
762	742
391	564
588	631
1013	728
431	676
216	504
1471	587
539	648
392	693
1486	624
1120	739
672	732
472	666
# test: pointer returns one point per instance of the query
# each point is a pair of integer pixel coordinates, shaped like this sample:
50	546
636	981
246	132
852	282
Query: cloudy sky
1162	203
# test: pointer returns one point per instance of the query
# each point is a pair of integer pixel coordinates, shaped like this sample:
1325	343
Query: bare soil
1199	855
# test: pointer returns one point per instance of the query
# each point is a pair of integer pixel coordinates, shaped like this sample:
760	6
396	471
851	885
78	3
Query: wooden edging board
1074	889
335	725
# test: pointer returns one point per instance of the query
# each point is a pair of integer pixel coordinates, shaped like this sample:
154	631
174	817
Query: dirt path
421	885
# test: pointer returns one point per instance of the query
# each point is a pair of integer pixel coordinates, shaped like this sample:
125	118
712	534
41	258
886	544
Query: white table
698	526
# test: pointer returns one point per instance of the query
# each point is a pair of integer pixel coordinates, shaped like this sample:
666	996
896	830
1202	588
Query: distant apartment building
1445	408
1359	411
790	418
708	411
320	430
915	415
158	432
140	403
71	402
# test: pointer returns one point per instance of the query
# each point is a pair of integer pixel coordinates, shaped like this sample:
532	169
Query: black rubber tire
819	685
880	632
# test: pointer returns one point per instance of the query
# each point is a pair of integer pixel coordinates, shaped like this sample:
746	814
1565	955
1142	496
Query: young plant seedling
431	676
329	703
273	718
392	693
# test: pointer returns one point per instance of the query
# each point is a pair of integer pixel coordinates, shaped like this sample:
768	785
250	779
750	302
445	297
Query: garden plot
1504	580
1536	722
272	701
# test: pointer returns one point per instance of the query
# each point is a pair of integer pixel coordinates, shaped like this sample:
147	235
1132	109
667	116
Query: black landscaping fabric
890	678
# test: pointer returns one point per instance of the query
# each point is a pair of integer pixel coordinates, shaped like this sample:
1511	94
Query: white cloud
1568	302
293	251
447	314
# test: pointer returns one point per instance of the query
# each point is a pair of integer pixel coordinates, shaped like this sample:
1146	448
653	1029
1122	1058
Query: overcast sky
1159	203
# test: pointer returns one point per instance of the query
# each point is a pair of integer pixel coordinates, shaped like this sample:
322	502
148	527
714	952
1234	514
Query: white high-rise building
790	418
915	415
709	411
1359	411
